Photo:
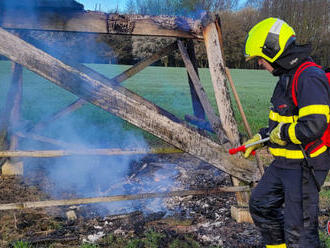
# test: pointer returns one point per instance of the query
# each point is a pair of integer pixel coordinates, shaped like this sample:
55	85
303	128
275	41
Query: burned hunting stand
90	86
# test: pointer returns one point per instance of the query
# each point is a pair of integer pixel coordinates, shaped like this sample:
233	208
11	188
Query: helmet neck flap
291	58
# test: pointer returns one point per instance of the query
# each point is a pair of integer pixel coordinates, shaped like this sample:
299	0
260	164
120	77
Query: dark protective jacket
305	123
284	204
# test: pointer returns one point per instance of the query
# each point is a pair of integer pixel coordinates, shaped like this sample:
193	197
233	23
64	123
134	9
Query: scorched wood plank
99	22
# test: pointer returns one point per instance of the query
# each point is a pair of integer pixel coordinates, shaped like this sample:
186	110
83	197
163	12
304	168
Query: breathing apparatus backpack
326	136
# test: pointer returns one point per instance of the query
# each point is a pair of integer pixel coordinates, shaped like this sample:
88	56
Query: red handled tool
243	148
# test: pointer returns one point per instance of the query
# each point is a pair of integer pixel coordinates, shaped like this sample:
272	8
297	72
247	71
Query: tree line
309	18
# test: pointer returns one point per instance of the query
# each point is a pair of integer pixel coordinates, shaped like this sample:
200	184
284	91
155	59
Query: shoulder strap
300	69
327	73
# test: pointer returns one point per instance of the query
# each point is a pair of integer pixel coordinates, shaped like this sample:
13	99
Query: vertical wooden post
212	37
13	166
218	76
196	102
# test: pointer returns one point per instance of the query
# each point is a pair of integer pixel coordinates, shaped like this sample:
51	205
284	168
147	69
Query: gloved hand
248	150
275	135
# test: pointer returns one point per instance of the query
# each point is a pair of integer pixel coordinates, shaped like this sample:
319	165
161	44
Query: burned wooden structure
91	86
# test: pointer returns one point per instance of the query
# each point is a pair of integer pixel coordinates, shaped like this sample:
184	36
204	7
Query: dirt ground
204	219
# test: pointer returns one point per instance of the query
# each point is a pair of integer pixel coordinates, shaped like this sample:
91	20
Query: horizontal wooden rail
87	152
98	22
53	203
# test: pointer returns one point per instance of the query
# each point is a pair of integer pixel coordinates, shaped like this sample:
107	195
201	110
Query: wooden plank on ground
125	104
181	193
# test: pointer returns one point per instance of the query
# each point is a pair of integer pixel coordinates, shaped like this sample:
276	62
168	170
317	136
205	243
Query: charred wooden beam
86	152
214	120
214	47
53	203
218	76
98	22
100	91
196	102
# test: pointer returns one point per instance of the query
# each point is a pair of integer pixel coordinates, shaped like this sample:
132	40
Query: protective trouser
284	206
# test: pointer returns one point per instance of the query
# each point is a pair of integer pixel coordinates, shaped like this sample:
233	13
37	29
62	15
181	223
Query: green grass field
166	87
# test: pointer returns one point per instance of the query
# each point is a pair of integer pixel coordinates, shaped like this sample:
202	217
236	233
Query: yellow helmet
268	39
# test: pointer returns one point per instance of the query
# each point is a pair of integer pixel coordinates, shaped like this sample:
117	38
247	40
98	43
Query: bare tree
130	7
310	20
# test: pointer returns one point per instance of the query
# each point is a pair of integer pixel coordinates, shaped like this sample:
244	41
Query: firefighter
284	205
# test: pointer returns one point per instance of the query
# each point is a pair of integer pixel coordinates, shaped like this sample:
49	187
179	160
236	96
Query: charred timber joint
208	18
120	24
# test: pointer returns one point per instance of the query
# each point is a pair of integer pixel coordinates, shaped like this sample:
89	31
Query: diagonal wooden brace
118	79
214	120
123	103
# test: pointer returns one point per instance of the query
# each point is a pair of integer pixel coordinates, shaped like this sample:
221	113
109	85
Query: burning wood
53	203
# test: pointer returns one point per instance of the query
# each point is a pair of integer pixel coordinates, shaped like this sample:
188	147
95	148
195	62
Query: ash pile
205	219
